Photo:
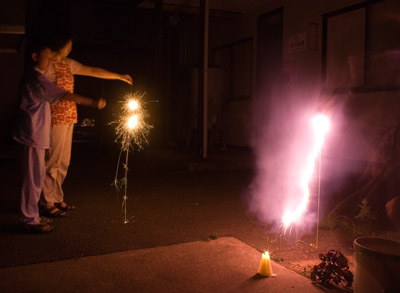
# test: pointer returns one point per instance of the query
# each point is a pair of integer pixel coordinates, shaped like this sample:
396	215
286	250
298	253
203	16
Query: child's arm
102	73
81	100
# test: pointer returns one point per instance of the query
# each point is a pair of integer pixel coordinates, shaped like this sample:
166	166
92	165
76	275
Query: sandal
52	212
38	228
65	207
45	220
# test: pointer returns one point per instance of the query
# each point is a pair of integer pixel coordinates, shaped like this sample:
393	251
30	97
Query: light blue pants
32	178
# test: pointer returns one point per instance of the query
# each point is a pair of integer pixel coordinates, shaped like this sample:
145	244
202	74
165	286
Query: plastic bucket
377	265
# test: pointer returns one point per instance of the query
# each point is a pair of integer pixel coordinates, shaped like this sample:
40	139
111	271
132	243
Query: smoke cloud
282	147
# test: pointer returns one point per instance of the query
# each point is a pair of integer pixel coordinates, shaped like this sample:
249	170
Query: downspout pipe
203	78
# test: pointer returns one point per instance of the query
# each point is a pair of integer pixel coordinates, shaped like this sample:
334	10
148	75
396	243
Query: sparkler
320	126
132	130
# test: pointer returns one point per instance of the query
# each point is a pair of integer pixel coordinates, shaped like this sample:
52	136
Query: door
269	66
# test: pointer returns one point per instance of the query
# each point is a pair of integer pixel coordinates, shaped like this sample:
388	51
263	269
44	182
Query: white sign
297	43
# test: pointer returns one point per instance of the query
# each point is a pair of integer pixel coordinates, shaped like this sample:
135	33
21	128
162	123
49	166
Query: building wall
12	13
132	49
365	114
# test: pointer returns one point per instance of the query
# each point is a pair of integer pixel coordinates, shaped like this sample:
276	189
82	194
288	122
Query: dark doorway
269	58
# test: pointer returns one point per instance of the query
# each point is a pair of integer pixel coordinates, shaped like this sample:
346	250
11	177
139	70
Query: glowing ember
320	126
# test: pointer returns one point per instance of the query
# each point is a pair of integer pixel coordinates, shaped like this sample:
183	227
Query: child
63	117
33	132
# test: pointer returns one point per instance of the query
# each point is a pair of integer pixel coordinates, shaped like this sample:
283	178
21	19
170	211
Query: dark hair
59	39
35	44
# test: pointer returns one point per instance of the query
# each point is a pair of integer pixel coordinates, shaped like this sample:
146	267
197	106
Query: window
345	50
362	47
383	46
236	60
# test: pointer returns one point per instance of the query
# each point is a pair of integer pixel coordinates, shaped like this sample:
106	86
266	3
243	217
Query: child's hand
127	78
101	103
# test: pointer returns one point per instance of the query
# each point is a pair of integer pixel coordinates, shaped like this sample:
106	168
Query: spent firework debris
131	130
320	125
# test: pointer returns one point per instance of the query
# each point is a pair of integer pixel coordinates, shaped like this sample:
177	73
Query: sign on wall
297	42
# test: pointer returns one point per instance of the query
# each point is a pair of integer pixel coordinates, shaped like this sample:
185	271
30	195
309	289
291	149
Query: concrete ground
176	207
222	265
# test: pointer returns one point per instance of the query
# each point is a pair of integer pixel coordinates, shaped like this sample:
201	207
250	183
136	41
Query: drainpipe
159	47
203	77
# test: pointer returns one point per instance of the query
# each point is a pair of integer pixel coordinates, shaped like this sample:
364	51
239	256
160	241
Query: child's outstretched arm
102	73
85	101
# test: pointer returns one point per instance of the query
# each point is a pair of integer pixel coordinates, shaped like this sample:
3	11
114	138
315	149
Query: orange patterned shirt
64	111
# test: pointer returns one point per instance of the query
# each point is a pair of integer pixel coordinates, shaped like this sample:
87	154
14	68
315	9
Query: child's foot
45	220
38	228
52	212
65	207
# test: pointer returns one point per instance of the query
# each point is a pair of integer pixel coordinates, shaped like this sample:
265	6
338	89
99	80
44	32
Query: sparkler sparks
133	105
132	122
320	126
132	130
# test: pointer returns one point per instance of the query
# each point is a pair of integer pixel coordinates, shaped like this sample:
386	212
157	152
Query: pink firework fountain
320	125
